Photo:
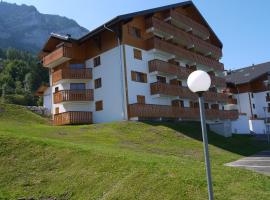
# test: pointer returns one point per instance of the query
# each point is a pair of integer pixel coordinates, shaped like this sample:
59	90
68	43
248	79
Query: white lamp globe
199	81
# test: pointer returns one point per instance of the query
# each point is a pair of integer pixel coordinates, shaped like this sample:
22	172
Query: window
56	89
161	79
135	32
215	106
57	110
253	105
206	106
77	66
137	54
99	105
178	103
77	86
97	61
139	77
141	99
98	83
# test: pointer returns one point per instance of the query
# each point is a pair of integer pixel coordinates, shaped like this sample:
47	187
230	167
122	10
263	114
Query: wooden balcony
164	111
168	68
184	54
186	39
232	101
69	73
184	92
218	81
72	117
73	95
189	24
57	57
180	72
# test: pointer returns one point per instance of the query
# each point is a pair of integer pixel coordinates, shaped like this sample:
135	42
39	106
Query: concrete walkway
259	163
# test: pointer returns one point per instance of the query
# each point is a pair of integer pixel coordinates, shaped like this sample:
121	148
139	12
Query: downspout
124	107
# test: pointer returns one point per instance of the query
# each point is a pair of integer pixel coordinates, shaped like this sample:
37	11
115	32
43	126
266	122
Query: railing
72	117
62	52
69	73
180	72
196	27
184	92
157	111
168	68
232	101
73	95
185	37
155	43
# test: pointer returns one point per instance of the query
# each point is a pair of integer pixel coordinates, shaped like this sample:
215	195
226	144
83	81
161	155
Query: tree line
21	74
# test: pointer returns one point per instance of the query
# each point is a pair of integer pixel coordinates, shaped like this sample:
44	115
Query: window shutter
133	75
145	78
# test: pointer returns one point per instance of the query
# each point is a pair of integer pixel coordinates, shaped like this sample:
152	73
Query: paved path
259	162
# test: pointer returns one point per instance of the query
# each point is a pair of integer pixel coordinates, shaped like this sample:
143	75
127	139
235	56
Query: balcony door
77	86
77	66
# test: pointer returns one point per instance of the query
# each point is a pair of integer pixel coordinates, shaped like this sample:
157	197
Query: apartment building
135	67
248	90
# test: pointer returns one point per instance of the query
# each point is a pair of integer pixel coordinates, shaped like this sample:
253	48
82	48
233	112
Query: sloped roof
127	17
247	74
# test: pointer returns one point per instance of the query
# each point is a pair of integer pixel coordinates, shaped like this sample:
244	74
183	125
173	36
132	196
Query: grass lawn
125	160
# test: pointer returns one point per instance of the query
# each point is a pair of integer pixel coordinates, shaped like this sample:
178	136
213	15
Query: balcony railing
157	111
57	57
168	68
73	95
72	117
69	73
182	53
180	72
184	92
185	38
232	101
189	24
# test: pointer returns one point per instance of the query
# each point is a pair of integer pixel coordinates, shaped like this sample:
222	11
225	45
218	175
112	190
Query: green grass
126	160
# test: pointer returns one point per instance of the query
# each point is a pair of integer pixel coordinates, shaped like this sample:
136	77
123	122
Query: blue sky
242	25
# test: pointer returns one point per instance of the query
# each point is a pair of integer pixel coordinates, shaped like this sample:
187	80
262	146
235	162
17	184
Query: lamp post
199	82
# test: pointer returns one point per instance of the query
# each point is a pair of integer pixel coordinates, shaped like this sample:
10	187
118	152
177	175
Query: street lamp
199	82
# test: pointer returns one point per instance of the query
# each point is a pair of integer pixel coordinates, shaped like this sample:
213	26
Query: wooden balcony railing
196	27
184	92
180	72
185	38
168	68
73	95
232	101
72	117
178	51
157	111
57	57
69	73
218	81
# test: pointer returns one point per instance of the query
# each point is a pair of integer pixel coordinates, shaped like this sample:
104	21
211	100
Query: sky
243	26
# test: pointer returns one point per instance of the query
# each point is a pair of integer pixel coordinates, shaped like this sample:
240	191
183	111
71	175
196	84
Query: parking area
259	162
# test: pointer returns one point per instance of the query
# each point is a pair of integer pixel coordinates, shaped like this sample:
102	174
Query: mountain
24	27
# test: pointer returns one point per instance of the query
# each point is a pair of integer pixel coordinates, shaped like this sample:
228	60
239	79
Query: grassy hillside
126	160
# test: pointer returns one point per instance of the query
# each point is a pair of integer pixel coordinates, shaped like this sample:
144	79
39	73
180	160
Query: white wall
260	102
111	91
47	99
243	103
257	126
241	125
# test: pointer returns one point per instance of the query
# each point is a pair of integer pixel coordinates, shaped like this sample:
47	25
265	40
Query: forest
21	73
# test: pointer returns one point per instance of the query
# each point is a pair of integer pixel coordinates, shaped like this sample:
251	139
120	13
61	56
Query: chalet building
248	90
135	67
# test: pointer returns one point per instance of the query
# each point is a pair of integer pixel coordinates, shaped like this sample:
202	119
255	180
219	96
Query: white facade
252	105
